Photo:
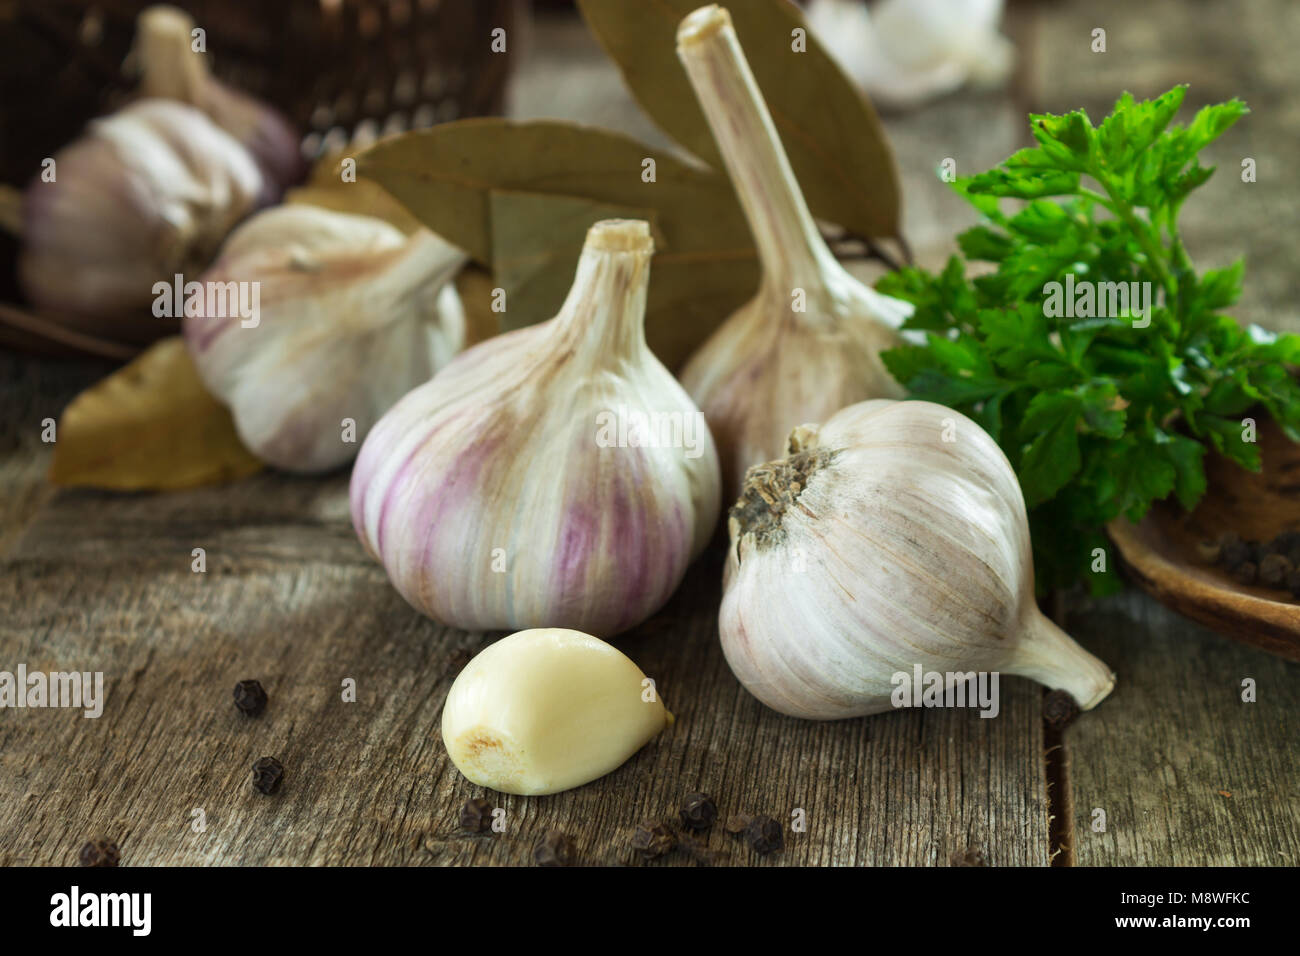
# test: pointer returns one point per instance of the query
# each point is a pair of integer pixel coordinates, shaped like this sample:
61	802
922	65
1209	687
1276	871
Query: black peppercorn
653	840
1235	553
1273	570
476	815
698	811
554	849
1293	583
100	852
1285	541
250	698
764	834
267	774
1246	572
1059	708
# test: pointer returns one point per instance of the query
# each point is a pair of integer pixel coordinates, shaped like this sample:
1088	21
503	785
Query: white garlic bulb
546	710
170	66
146	193
904	52
556	475
329	319
808	343
892	536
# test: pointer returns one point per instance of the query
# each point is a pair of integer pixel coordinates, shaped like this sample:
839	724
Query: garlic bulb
808	343
146	193
170	67
892	536
547	710
904	52
329	319
556	475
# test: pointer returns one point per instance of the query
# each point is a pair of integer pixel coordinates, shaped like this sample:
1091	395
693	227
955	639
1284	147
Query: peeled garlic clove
351	314
170	67
553	476
146	193
892	536
808	343
547	710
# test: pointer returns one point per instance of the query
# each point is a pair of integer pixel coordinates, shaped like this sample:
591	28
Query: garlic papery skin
505	493
546	710
351	314
905	52
146	193
171	67
892	536
808	343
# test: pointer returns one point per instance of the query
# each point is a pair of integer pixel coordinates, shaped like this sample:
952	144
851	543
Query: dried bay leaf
519	197
536	240
834	138
361	198
445	177
150	426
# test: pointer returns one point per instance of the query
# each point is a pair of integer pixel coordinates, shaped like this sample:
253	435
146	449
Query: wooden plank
103	582
1187	773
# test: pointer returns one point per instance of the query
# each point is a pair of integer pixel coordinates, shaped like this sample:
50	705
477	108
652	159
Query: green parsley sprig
1099	415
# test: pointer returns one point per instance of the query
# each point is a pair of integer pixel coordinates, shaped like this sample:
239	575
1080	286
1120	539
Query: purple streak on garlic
170	67
352	314
808	343
893	535
145	193
490	494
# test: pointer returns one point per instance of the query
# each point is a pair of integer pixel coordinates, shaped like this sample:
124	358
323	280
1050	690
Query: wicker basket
334	67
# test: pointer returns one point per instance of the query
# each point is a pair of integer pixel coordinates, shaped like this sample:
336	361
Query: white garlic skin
487	495
145	193
768	369
808	343
905	52
546	710
898	548
353	314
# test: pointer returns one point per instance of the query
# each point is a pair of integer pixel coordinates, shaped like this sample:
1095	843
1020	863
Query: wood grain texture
1156	755
98	581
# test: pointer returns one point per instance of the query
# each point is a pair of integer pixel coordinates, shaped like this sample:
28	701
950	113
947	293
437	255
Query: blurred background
954	80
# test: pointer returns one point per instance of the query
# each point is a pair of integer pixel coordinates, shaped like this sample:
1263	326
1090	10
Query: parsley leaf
1094	353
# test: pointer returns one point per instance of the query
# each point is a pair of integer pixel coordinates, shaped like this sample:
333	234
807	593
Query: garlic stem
170	68
1050	656
790	246
602	320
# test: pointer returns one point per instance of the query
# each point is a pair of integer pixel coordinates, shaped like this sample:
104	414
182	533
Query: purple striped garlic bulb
554	476
145	193
171	67
891	538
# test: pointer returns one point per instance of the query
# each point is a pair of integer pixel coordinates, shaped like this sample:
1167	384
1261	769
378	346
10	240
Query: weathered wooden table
1184	771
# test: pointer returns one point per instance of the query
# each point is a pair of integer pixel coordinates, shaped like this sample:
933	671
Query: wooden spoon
1160	551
